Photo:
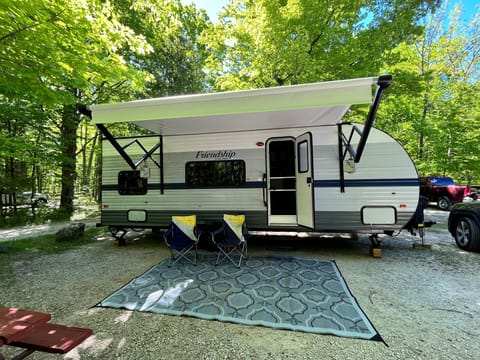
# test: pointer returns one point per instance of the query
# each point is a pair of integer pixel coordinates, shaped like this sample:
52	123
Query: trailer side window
131	183
215	173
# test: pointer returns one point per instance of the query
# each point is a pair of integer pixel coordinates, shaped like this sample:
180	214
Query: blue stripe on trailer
317	183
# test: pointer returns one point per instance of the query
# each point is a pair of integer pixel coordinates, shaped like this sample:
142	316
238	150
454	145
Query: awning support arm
384	82
341	157
84	110
148	154
116	145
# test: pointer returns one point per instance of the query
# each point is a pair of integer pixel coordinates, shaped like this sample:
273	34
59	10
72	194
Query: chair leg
228	253
177	255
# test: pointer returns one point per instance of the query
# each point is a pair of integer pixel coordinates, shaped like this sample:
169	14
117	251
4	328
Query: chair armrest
199	231
218	231
245	231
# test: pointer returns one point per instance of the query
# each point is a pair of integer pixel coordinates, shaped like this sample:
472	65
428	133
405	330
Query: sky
469	7
214	6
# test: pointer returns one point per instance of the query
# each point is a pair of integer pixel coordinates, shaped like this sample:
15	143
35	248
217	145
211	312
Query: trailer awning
271	108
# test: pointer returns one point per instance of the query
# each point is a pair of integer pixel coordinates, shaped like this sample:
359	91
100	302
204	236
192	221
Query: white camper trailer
282	156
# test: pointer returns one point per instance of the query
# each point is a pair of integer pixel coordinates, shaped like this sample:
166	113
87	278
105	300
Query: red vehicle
443	191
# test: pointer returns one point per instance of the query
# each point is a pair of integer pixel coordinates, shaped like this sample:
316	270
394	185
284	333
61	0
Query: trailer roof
278	107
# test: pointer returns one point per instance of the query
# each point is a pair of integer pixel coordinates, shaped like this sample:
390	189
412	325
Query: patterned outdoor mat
280	292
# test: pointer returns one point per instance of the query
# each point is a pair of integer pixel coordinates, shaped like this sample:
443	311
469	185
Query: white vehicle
23	198
282	156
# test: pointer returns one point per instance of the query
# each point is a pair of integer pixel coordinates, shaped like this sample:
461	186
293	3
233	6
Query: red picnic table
32	331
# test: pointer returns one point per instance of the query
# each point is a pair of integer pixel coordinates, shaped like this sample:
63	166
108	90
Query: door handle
309	180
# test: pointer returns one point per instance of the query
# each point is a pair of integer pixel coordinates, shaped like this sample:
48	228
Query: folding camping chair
182	239
231	239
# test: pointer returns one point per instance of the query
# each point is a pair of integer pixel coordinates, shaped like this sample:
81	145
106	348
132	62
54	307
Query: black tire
467	234
444	203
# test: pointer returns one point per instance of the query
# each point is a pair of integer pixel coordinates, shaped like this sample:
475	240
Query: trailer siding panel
385	177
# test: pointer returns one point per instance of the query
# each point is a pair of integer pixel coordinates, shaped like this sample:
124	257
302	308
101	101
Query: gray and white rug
279	292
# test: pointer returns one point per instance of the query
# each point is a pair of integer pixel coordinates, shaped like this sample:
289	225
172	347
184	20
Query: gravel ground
424	303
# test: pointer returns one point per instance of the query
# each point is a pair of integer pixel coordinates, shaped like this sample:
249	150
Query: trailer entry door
290	181
281	188
304	175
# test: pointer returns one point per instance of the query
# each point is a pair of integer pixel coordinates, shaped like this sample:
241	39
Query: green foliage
51	47
433	105
265	43
59	55
55	56
172	30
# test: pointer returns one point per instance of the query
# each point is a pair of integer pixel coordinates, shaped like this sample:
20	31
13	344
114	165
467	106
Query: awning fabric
277	107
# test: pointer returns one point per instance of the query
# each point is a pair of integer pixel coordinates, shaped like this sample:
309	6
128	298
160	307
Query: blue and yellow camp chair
182	239
231	239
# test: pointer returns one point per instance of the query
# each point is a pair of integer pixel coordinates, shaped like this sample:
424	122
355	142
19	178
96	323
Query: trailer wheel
467	234
444	203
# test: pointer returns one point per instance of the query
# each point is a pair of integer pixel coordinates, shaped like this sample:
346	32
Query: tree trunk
422	155
90	170
68	129
98	170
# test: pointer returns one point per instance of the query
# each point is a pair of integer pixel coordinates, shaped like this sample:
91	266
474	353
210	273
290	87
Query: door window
303	156
282	158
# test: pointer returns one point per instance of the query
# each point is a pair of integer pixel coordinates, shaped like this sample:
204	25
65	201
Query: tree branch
12	34
317	38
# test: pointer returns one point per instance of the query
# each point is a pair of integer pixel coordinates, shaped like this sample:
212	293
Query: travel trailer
282	156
